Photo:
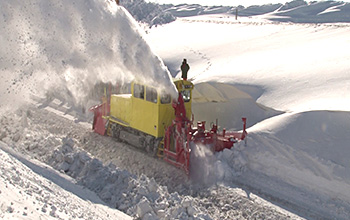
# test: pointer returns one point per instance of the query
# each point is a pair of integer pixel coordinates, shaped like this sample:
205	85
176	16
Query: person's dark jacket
184	69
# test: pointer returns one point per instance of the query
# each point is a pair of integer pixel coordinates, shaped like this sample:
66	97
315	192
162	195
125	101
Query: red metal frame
177	139
181	133
101	110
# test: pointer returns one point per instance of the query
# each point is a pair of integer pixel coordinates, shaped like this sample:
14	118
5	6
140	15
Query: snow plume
202	166
69	46
208	168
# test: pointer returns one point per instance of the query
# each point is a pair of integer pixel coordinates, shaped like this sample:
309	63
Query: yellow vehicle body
148	110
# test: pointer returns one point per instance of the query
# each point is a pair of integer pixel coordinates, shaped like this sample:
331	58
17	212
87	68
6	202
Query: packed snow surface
292	82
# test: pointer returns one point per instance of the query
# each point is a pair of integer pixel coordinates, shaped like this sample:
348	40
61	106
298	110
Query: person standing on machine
184	69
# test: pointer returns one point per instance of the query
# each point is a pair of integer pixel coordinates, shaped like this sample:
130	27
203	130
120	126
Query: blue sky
223	2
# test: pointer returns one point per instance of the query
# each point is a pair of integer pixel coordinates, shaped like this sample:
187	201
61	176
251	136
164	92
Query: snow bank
320	140
68	47
137	196
309	151
36	191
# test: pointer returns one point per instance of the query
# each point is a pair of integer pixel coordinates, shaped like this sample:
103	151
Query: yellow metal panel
185	85
166	116
144	116
120	108
148	114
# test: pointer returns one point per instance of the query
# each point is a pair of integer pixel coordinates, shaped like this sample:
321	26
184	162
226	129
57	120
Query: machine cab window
186	95
139	91
165	98
151	94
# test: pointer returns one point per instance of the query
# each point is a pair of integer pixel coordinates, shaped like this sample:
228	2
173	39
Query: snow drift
36	191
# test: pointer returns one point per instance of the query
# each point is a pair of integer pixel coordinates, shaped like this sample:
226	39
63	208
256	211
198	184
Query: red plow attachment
181	134
100	111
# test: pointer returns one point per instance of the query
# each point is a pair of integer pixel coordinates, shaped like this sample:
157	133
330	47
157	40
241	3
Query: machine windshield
186	95
139	91
165	98
151	94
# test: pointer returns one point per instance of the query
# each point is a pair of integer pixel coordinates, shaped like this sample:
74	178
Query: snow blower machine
150	119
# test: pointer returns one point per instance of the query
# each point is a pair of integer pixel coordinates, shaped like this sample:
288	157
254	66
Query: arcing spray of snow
208	168
71	45
202	166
